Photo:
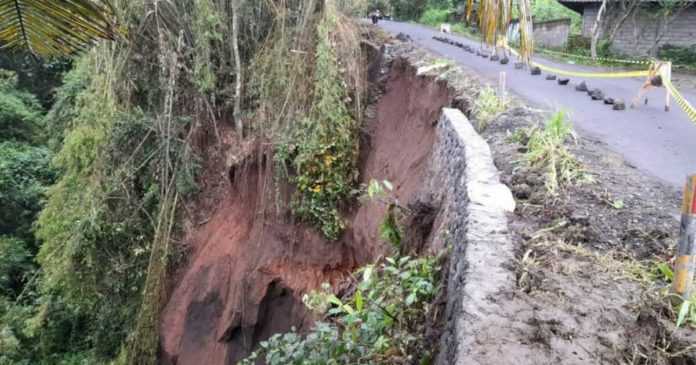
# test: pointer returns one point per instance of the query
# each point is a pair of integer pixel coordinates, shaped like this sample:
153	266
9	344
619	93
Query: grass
546	151
487	106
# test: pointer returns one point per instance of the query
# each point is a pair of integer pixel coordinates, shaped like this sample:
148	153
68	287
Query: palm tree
494	17
55	27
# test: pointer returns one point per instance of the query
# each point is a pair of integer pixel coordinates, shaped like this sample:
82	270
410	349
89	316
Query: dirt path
658	143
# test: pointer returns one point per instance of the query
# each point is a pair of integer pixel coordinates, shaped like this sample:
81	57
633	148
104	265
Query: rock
619	104
563	81
597	94
550	77
608	101
406	38
478	53
470	50
459	44
538	197
581	87
522	191
535	179
495	58
504	61
536	71
484	55
519	65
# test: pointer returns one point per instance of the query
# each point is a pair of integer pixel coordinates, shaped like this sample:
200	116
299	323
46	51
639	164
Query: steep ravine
248	266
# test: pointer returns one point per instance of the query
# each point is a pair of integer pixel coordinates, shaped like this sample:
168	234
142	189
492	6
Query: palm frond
494	18
526	31
55	27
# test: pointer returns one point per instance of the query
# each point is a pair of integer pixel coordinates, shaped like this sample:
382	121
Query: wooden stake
684	264
667	75
502	91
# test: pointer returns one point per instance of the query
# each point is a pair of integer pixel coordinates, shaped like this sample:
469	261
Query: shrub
434	16
20	112
679	55
15	263
25	173
383	322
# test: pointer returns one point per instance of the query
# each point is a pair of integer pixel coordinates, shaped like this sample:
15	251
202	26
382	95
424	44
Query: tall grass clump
487	106
547	151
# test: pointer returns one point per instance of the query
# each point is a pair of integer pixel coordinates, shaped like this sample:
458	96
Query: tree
55	28
596	29
612	16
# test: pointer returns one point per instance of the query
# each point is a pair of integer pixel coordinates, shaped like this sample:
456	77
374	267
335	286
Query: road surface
662	144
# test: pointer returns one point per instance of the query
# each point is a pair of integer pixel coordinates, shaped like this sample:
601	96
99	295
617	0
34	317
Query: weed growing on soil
389	230
546	151
545	243
382	322
686	310
486	106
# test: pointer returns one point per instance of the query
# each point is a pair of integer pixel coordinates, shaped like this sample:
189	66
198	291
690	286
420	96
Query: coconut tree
55	28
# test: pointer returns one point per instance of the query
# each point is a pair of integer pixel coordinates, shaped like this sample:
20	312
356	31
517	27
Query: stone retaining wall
464	184
476	225
638	34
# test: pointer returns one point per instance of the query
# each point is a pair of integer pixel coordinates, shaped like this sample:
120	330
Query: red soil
248	268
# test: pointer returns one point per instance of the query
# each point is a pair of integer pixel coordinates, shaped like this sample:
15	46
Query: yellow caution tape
614	60
683	103
606	75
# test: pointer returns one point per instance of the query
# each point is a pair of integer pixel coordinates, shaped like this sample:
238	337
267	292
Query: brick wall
552	34
637	34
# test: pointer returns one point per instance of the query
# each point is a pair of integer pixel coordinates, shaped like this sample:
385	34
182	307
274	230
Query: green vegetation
382	322
25	174
487	106
544	10
435	16
546	151
92	187
685	309
681	56
322	147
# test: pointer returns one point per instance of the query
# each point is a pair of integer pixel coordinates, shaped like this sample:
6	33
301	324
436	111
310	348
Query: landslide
249	262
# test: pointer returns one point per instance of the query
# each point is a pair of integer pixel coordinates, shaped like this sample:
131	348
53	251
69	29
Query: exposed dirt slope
249	266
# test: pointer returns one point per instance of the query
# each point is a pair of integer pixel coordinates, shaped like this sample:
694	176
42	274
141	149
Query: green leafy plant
687	312
389	230
381	323
664	271
20	112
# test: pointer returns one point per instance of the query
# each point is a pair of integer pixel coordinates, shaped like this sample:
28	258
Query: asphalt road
662	144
